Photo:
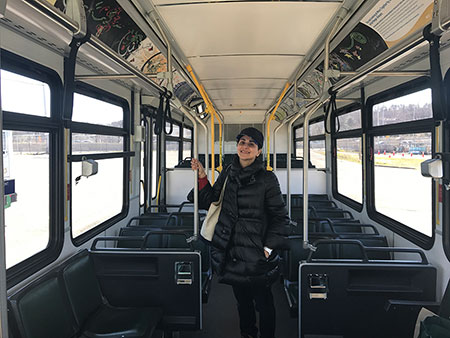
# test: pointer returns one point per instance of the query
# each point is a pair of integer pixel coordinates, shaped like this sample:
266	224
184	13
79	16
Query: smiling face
247	150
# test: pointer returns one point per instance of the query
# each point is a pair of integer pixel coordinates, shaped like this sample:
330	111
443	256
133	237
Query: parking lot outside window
401	195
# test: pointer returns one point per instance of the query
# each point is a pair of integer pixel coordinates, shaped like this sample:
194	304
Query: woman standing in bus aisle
251	227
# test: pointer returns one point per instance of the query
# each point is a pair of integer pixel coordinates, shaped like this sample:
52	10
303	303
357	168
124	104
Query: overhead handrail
271	117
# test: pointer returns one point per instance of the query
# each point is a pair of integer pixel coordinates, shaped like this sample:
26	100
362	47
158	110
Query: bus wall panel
317	181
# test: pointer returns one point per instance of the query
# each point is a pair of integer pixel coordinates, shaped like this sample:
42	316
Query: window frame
321	137
53	126
87	128
409	127
353	133
180	139
446	165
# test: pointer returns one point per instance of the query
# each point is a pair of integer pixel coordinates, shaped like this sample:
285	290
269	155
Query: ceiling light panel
247	27
245	67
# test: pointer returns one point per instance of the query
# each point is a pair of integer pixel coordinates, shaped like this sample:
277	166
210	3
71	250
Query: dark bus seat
352	295
99	319
406	307
33	320
139	278
333	246
330	213
157	220
170	239
68	302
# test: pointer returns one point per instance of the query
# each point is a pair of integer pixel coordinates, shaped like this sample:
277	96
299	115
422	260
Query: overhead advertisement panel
394	20
384	26
109	22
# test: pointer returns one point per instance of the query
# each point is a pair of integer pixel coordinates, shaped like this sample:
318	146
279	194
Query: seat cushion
44	312
113	322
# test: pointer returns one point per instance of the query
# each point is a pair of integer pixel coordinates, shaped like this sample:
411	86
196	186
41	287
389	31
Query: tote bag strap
223	190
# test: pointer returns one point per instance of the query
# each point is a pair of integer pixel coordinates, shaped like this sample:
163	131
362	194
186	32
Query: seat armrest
412	305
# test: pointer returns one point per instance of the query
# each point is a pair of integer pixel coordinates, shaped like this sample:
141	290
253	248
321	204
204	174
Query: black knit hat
254	133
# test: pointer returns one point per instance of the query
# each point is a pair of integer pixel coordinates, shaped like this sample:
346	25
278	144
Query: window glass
187	133
412	107
154	159
401	192
97	198
317	153
317	128
89	110
187	149
13	89
175	130
299	132
27	194
172	149
349	168
349	121
95	143
299	149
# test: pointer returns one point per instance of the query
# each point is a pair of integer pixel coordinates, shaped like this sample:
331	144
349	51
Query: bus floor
220	318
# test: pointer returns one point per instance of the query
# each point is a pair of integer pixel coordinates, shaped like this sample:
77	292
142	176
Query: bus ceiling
243	53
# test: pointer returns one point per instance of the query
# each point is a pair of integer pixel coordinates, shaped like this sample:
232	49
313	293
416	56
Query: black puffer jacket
253	215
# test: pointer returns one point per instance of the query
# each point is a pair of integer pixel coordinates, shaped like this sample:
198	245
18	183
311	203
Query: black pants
261	296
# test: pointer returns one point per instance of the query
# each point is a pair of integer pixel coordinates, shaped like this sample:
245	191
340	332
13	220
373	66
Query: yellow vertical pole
211	107
272	117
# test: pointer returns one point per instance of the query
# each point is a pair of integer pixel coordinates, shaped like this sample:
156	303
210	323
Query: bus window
33	227
90	110
172	153
317	150
412	107
298	141
14	86
401	135
347	160
187	149
349	121
100	198
27	213
317	144
299	149
397	164
349	168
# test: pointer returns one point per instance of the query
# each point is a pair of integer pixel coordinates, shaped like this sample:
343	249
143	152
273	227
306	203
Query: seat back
41	310
82	286
444	309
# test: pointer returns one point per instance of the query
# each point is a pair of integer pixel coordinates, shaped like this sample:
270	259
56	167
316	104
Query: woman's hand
196	165
267	252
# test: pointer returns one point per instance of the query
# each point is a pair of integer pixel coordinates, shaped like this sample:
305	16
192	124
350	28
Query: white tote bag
210	222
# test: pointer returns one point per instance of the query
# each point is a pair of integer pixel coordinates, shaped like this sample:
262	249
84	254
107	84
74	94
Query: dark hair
254	133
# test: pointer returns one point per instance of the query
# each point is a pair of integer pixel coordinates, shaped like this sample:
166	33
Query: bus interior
105	102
